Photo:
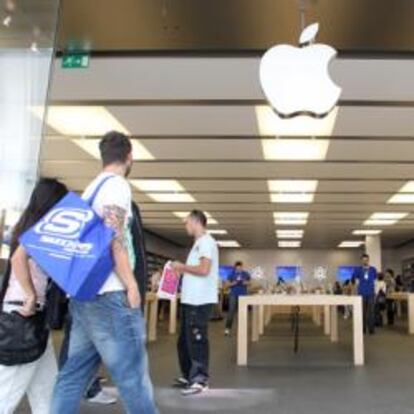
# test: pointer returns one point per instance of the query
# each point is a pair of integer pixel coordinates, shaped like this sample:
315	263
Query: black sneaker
194	389
181	382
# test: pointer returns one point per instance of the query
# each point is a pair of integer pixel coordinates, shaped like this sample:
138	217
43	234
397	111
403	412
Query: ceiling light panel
292	186
384	219
80	120
294	149
289	244
158	185
401	198
228	243
289	234
291	218
367	232
350	244
292	197
217	231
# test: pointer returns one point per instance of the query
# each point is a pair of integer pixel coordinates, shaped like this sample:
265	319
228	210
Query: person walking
199	292
23	295
366	275
110	328
238	282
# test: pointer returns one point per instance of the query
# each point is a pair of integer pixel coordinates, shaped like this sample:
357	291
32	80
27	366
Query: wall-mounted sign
75	61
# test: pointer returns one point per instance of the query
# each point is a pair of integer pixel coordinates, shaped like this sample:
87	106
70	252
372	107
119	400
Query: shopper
238	282
198	294
380	299
391	287
111	326
366	275
24	294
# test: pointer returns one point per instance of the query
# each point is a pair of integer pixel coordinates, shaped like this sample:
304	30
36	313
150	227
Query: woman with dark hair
24	293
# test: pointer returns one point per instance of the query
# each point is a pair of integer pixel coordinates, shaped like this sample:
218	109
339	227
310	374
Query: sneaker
227	332
194	389
181	382
103	397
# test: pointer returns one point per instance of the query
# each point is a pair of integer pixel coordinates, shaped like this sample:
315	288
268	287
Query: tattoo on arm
115	217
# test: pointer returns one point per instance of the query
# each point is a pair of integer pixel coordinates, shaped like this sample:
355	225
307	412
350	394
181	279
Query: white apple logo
296	80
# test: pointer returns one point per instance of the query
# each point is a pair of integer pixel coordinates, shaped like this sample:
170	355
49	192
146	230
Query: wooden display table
329	302
409	298
151	315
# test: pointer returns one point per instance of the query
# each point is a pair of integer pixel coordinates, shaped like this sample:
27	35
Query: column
373	249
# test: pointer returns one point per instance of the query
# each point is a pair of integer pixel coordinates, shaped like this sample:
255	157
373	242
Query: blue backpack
72	245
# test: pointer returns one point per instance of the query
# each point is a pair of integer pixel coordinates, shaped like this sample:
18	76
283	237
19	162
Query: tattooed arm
115	217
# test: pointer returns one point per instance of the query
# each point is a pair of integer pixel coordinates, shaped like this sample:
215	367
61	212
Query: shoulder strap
95	192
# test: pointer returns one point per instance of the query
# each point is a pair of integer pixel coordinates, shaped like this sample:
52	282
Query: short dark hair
365	256
114	148
238	263
199	216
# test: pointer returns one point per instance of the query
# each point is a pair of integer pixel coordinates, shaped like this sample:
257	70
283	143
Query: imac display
287	274
345	273
225	271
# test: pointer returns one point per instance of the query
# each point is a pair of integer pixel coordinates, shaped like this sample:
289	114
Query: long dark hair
47	192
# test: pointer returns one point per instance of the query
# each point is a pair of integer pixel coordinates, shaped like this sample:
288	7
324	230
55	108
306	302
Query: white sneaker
194	389
103	397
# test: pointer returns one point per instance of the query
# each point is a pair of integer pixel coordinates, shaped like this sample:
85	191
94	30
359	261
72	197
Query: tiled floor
319	380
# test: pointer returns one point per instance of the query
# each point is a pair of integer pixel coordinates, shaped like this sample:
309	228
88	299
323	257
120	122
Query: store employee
366	276
199	292
238	282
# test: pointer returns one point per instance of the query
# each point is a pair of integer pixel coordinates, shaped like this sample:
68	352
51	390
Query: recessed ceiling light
80	120
91	146
366	232
292	186
384	219
289	234
350	244
269	123
171	197
289	244
158	185
184	214
291	197
290	218
217	231
408	187
295	149
228	243
401	198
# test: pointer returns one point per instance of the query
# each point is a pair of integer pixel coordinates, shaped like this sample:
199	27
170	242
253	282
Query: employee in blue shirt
238	282
366	276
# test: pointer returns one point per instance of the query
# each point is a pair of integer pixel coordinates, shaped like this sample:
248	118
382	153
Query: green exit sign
75	61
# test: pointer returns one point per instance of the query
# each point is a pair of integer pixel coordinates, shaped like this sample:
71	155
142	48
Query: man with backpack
110	326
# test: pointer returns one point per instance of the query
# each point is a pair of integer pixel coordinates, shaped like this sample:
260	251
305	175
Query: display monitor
345	273
287	273
225	271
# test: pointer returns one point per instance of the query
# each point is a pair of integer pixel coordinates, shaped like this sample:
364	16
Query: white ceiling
196	116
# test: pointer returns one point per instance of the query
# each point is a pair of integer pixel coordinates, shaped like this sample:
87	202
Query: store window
27	35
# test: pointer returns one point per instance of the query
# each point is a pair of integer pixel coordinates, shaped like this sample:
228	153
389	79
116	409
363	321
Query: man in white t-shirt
110	328
199	292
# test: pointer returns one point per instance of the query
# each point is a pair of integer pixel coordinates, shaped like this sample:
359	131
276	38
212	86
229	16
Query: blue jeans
105	329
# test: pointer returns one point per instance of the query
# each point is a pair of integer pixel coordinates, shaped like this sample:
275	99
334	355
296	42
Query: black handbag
22	339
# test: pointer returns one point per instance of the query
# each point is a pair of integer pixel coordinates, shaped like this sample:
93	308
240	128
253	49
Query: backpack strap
95	192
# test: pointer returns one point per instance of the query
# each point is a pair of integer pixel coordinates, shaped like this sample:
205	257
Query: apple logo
296	81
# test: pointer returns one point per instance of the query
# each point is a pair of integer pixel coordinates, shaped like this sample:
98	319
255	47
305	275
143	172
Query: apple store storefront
206	207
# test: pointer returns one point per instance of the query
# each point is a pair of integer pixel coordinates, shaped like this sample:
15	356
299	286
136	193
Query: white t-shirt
202	290
115	191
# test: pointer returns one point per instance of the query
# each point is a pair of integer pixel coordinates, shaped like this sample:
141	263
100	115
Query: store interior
299	198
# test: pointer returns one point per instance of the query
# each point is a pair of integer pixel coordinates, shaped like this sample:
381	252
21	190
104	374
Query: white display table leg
242	342
358	332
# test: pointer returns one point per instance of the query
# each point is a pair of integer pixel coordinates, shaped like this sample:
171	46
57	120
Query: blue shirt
366	277
241	277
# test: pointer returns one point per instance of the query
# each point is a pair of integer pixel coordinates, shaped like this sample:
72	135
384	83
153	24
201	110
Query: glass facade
27	36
